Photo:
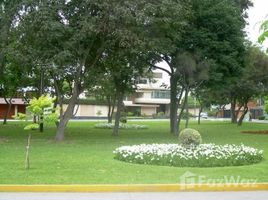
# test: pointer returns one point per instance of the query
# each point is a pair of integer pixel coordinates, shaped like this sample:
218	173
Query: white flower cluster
121	126
201	155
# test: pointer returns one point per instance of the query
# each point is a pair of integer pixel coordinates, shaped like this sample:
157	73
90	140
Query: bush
185	115
160	114
261	117
121	126
189	137
130	114
31	127
123	120
212	113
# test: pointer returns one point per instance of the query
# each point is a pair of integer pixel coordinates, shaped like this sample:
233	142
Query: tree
264	30
43	109
70	38
214	31
253	80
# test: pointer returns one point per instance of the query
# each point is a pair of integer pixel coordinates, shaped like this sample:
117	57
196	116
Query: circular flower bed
121	126
256	132
203	155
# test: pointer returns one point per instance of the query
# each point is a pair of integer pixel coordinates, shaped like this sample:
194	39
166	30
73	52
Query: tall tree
72	37
214	30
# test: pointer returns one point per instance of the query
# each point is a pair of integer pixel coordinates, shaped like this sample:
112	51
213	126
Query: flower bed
256	132
203	155
121	126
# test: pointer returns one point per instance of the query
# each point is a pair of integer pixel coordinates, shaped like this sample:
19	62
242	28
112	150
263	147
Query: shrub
160	114
33	126
121	126
261	117
189	137
212	113
123	120
186	116
130	114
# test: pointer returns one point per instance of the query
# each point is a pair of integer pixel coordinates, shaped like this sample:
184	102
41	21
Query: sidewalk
138	196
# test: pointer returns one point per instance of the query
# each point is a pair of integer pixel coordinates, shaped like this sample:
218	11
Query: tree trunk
181	112
109	110
120	97
9	103
240	121
187	112
41	125
173	105
111	105
233	112
68	114
199	114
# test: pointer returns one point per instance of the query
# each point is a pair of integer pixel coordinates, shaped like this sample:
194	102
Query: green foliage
212	113
130	114
33	126
121	126
264	30
261	117
19	116
186	115
266	106
99	113
43	107
160	114
189	137
123	120
37	106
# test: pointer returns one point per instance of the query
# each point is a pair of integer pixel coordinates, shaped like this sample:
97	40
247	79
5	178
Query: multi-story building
152	95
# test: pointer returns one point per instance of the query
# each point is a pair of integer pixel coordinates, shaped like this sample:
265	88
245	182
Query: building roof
15	101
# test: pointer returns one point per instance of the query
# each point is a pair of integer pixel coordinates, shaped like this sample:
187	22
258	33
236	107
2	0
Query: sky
256	15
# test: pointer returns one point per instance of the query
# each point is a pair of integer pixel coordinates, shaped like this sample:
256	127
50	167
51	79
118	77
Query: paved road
256	195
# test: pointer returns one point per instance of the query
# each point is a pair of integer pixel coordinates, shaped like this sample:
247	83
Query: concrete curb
135	188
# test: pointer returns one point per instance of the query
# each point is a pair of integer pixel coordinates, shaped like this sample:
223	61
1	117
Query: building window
157	75
161	94
142	81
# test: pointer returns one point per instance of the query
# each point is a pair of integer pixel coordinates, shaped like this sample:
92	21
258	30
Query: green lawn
85	157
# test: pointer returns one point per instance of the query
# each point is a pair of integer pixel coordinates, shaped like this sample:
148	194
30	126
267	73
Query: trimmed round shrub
190	137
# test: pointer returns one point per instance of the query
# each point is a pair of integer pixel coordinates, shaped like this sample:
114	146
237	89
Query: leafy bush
130	114
189	136
19	116
121	126
203	155
160	114
32	127
123	120
186	116
212	113
261	117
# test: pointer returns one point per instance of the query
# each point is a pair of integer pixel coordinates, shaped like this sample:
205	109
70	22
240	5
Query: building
18	105
151	97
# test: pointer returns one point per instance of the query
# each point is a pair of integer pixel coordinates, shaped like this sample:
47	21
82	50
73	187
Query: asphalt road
256	195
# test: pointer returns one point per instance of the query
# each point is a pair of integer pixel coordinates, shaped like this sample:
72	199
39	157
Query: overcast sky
256	15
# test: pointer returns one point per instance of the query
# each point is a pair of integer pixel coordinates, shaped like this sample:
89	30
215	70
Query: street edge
135	188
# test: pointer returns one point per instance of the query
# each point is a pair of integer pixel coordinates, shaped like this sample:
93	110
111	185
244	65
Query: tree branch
154	66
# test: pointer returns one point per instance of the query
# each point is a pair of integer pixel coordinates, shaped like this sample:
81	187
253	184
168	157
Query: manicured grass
85	157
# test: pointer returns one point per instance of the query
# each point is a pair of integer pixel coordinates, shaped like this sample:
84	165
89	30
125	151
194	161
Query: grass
85	157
